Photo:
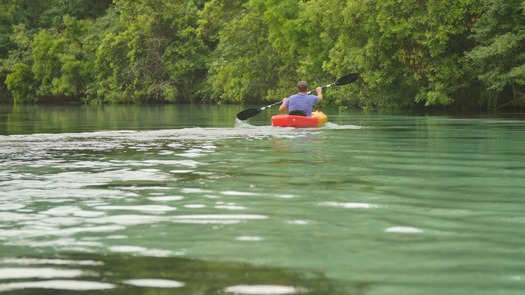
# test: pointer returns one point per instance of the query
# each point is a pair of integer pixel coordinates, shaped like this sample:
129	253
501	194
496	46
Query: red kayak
318	118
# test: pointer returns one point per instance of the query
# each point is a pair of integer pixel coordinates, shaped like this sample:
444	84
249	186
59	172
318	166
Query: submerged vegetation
409	53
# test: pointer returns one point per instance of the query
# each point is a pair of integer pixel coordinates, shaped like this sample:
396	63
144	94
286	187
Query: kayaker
301	103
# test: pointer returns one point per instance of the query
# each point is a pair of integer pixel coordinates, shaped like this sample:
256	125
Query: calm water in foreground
185	200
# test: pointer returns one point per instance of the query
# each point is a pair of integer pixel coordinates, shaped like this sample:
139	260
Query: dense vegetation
409	53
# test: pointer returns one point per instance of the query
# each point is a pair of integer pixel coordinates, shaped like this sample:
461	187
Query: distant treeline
409	53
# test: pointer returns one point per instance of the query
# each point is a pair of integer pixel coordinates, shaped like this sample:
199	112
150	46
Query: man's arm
283	107
319	91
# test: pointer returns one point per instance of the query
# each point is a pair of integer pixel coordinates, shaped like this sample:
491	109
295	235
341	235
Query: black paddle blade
351	78
248	113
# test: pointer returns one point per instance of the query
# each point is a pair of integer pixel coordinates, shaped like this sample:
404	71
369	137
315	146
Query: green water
185	200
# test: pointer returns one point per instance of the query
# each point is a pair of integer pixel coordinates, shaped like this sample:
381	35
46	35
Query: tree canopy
409	53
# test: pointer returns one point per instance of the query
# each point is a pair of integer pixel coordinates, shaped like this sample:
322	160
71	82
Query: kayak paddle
248	113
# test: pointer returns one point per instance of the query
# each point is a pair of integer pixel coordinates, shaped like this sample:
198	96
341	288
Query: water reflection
263	290
122	274
413	204
38	287
154	283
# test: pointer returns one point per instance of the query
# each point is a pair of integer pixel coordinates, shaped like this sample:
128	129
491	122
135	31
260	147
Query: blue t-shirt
303	102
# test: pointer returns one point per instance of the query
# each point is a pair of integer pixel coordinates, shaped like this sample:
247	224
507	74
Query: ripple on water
48	277
216	218
350	205
141	251
69	285
143	208
129	273
166	198
38	273
249	238
154	283
263	290
404	230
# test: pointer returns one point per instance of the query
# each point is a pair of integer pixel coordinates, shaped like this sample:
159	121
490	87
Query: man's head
302	86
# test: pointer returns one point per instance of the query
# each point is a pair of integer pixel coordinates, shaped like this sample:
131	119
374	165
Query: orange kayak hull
317	119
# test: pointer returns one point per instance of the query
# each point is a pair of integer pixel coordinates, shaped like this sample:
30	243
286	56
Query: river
185	200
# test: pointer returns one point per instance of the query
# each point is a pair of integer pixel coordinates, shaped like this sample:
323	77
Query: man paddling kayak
301	103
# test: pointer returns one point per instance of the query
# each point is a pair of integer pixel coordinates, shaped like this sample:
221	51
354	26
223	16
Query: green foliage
500	56
154	56
264	49
16	70
21	83
60	64
49	37
409	53
214	17
242	66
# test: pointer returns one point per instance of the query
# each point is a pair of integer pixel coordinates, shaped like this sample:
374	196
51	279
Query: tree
152	55
264	49
500	55
60	62
296	35
243	66
19	78
407	51
47	37
21	83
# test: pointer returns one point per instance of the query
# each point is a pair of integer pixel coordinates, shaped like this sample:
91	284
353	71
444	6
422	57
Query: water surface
162	198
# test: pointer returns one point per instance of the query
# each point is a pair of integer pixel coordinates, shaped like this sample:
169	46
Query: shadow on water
124	274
